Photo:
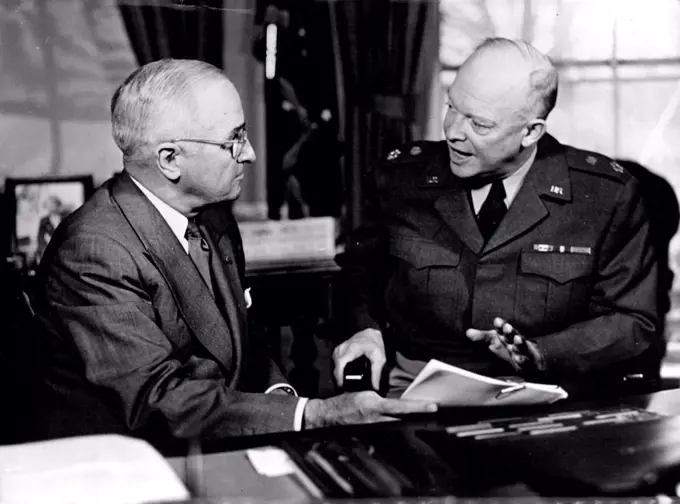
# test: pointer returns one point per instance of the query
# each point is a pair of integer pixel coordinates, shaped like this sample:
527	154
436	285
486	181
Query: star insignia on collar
616	167
394	154
415	150
591	160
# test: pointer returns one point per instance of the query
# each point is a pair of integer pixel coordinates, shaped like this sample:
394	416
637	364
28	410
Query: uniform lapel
454	207
526	211
190	292
548	176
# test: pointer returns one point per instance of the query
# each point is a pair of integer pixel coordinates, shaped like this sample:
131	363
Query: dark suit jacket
135	343
419	269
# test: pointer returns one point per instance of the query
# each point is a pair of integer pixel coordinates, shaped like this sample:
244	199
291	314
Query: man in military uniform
500	250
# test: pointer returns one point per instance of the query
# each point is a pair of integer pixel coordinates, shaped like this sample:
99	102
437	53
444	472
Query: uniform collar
550	171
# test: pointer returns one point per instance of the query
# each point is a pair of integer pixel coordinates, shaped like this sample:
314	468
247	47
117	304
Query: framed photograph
38	206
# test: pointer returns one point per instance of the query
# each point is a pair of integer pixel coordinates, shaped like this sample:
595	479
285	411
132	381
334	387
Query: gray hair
153	100
543	81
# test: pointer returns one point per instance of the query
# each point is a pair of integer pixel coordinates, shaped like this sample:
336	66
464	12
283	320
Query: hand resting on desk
360	407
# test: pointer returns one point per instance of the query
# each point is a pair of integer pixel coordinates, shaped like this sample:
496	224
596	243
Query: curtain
384	61
191	30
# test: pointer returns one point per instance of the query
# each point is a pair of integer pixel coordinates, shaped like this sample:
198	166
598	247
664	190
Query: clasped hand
367	342
506	343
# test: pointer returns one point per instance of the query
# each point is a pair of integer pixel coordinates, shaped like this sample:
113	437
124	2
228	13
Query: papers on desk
452	386
104	469
286	240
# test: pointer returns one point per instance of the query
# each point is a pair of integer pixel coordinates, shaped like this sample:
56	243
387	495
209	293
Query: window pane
583	30
648	29
465	23
650	125
583	116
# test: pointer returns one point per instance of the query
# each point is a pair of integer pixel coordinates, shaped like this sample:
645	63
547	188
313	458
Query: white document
271	461
452	386
102	469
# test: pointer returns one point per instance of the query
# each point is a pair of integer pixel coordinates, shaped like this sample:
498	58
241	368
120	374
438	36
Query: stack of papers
452	386
104	469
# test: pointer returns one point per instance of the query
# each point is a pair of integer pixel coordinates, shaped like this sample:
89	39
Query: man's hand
505	342
360	407
368	342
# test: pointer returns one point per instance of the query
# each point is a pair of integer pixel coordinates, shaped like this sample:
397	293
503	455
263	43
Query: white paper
103	469
270	461
452	386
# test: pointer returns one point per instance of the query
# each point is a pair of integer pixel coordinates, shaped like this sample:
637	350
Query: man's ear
167	155
533	132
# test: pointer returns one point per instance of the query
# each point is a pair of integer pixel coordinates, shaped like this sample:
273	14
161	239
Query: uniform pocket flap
560	267
423	253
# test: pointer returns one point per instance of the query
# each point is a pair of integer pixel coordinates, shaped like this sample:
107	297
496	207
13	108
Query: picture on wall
39	205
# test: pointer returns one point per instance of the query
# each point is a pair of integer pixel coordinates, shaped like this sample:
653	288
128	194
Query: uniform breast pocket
553	290
427	277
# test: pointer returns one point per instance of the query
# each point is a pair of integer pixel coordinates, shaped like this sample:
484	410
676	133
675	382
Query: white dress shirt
178	224
511	184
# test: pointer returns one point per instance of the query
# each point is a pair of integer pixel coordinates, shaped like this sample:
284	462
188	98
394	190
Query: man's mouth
459	151
458	154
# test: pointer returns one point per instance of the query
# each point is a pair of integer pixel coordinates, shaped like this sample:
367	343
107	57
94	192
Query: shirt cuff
299	414
283	387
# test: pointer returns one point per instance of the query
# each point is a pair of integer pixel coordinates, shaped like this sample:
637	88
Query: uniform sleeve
97	301
623	312
365	264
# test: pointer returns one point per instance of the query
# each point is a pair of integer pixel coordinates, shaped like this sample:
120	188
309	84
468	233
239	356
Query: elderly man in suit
501	250
142	295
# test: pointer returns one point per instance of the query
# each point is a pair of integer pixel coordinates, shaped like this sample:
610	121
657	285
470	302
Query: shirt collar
511	184
176	220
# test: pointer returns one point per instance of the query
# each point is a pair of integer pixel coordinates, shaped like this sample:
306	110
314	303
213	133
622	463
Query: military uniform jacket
570	266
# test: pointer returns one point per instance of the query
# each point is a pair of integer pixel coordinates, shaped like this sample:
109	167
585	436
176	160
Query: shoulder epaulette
595	163
409	153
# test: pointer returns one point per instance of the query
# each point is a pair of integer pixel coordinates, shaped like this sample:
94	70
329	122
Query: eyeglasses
237	144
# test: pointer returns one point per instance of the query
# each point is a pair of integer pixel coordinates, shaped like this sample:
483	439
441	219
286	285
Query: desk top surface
229	457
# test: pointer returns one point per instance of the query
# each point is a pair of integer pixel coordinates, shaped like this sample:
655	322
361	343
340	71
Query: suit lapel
190	292
229	291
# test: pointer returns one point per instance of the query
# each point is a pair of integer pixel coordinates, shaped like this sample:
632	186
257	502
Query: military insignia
591	160
432	179
415	150
394	154
556	190
616	166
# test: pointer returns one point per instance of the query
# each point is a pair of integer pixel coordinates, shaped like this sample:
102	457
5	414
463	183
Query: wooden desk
227	472
301	295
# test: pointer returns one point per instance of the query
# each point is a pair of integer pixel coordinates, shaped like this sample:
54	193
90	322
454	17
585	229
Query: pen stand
357	375
393	464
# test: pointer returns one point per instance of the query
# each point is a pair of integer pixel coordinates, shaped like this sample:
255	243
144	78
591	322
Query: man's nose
248	153
453	126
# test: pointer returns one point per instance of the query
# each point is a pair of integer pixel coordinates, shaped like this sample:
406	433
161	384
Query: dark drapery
165	29
303	153
384	79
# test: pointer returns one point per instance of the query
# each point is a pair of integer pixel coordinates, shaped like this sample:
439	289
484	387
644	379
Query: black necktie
492	211
199	251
